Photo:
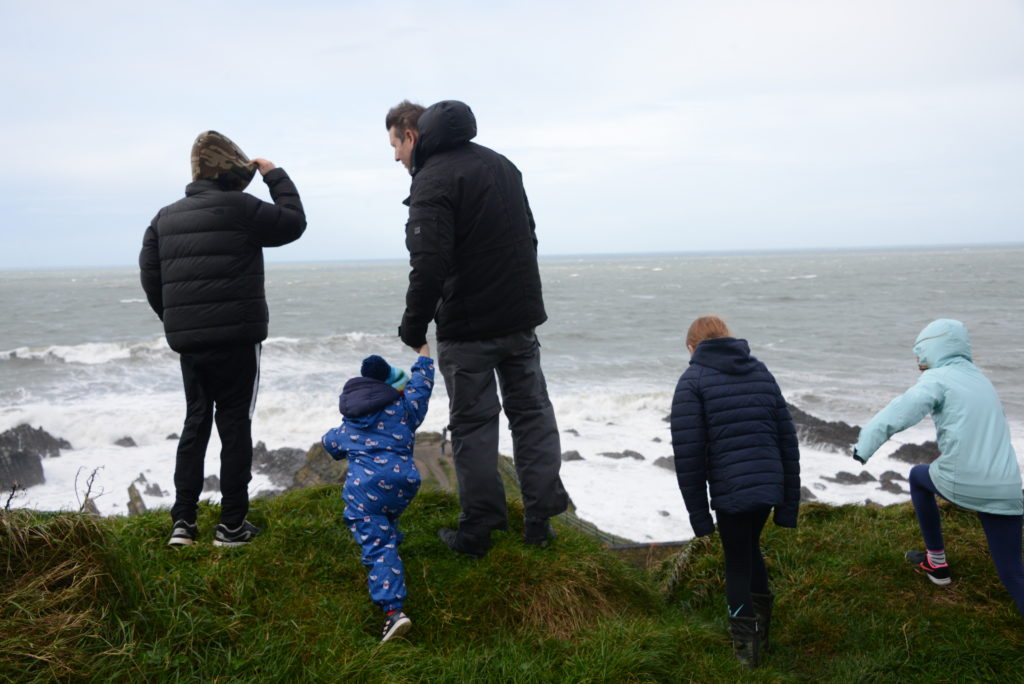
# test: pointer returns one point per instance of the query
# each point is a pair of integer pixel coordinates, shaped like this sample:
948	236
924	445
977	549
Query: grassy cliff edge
107	600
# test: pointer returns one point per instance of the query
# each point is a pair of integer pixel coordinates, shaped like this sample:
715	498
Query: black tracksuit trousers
220	385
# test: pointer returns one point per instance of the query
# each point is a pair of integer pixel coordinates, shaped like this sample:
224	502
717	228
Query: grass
107	600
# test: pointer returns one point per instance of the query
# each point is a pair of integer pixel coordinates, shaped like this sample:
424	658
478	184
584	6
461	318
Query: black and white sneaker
240	536
395	624
939	574
183	533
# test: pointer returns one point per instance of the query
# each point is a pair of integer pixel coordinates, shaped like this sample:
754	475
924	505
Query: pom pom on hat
376	367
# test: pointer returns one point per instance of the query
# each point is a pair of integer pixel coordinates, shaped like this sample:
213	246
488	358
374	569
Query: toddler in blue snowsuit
381	410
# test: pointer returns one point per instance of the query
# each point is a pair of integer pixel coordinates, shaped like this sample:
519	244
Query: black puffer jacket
731	431
470	235
202	261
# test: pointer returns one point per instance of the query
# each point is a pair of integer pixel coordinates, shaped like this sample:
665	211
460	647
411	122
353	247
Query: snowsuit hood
365	397
442	126
725	354
941	341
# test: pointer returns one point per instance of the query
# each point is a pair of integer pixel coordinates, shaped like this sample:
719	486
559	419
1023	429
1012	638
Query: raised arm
416	396
283	221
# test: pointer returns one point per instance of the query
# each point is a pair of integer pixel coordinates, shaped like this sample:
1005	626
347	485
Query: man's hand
264	165
424	351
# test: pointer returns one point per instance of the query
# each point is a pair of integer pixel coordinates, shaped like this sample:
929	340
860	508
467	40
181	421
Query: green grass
107	600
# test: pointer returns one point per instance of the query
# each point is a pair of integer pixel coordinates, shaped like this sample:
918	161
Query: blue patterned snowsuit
376	435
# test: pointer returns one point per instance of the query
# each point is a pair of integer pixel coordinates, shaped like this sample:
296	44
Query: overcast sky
684	125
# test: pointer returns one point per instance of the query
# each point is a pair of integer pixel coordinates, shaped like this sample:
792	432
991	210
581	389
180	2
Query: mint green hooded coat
978	468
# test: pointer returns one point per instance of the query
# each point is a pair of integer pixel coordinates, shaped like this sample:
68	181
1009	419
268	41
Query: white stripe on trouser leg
256	381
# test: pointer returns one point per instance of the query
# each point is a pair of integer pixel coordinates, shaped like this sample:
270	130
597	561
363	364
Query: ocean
83	357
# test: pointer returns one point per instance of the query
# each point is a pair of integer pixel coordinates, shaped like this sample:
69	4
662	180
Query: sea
83	356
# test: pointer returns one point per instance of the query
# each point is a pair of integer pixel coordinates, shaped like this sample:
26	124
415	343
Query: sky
639	126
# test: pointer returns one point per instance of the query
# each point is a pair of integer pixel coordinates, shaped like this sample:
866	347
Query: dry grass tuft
50	604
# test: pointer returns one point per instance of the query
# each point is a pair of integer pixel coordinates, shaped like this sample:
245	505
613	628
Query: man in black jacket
473	257
202	270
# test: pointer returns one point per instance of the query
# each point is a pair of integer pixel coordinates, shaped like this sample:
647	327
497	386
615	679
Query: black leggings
745	572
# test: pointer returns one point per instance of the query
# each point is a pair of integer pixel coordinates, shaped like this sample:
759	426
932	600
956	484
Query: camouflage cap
215	157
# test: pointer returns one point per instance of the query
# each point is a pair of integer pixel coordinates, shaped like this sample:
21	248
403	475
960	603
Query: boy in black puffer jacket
732	434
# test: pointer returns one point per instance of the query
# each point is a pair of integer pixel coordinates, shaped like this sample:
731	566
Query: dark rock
623	454
664	514
174	435
30	440
892	488
845	478
571	456
279	465
666	462
90	508
807	495
572	432
917	453
136	506
657	440
820	487
834	436
211	483
154	490
22	450
126	442
319	468
890	482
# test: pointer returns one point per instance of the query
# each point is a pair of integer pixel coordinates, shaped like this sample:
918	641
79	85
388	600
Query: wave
89	353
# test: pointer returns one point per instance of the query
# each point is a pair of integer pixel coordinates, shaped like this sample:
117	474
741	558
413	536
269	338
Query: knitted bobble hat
375	367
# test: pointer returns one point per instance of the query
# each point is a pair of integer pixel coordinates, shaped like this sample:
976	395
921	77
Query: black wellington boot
746	640
763	609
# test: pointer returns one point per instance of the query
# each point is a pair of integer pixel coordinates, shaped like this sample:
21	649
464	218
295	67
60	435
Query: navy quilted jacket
732	434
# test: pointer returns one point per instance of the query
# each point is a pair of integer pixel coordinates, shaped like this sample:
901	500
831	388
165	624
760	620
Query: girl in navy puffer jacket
376	435
732	434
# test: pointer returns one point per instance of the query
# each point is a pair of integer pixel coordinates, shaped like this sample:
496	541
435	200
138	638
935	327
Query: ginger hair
706	328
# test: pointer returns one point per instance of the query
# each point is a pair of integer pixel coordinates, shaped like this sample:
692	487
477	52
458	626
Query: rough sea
83	357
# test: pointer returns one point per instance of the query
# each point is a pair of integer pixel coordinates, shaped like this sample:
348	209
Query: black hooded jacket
202	261
470	235
732	434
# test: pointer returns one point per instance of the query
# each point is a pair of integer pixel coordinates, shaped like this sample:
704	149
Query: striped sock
937	558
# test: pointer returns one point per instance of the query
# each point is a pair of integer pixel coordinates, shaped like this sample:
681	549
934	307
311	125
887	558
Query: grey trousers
471	369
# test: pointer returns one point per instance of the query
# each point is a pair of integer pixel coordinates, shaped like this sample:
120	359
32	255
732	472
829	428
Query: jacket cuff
785	517
702	524
413	336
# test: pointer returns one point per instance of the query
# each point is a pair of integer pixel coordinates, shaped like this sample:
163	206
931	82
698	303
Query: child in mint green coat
977	468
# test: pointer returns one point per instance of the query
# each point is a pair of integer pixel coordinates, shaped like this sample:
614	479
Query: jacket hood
442	126
942	341
726	354
216	157
365	396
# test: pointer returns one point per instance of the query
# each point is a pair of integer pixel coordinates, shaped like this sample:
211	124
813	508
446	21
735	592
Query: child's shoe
396	623
240	536
939	574
183	533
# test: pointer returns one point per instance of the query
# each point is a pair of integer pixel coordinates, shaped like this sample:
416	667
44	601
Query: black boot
746	640
763	609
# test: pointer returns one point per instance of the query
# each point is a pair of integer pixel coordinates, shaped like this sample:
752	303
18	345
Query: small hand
264	165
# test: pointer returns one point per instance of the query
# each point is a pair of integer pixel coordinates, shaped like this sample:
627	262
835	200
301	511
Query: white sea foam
89	353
